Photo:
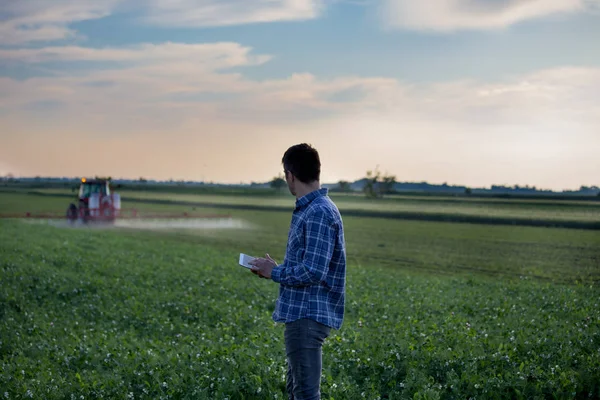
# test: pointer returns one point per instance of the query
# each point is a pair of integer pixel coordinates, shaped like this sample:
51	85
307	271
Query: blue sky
348	39
427	90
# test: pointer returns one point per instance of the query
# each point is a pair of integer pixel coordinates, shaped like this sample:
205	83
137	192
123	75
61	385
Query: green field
524	209
435	310
577	214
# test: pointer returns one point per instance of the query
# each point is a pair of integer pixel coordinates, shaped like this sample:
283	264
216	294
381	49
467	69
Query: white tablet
245	259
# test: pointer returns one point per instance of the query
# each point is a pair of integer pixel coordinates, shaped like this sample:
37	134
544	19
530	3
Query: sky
468	92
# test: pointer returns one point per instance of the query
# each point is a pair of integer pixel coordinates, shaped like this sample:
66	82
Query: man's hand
263	266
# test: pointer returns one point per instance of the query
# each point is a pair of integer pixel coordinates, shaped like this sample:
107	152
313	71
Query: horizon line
242	183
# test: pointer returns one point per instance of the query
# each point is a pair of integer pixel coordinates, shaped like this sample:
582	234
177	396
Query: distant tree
344	186
278	183
371	183
378	184
387	184
8	178
142	180
468	191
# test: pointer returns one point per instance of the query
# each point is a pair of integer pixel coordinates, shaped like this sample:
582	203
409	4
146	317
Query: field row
503	213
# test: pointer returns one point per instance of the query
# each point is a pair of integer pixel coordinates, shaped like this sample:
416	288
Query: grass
434	311
559	213
514	209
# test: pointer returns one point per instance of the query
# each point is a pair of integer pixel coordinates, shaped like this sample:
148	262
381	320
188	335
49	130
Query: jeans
303	342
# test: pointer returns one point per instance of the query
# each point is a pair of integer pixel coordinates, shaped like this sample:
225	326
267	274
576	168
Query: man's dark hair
303	161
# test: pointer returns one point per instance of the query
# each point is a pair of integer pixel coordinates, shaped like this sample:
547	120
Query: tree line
376	184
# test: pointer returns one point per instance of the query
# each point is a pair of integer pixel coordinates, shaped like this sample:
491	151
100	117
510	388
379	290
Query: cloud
34	21
199	13
133	91
178	77
172	85
49	20
452	15
203	56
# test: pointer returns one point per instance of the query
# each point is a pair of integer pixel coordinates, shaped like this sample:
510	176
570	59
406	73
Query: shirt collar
307	199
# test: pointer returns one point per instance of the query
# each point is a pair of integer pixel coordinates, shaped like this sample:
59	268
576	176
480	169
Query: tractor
96	202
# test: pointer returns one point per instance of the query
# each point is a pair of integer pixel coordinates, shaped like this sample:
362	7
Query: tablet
245	259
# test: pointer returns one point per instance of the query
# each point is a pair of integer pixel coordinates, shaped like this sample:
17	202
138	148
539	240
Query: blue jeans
303	342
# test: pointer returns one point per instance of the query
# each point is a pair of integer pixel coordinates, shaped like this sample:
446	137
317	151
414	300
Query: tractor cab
88	188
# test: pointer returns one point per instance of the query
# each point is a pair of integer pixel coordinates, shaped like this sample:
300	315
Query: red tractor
96	202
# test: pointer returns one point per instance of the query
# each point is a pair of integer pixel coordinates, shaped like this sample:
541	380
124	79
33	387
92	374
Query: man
312	277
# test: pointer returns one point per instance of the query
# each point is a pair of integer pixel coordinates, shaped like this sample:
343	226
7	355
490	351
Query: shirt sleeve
320	235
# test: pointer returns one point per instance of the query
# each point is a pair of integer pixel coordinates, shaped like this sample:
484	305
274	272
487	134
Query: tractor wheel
72	213
84	212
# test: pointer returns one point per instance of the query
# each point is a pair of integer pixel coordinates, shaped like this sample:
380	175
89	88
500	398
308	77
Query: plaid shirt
312	277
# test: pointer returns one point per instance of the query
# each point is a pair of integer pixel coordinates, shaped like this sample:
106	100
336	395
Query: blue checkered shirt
312	278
